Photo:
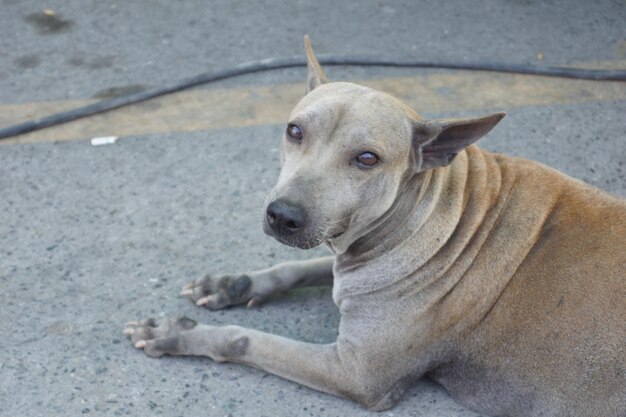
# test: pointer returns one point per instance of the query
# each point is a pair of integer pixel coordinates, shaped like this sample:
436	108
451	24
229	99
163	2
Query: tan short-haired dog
498	277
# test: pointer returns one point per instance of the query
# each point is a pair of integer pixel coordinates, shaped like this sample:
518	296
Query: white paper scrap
105	140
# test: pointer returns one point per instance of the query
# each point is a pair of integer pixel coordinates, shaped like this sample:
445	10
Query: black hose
278	63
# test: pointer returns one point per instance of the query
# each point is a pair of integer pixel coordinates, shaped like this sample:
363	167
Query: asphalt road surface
91	237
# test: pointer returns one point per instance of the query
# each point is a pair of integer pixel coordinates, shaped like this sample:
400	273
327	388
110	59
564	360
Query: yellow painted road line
202	109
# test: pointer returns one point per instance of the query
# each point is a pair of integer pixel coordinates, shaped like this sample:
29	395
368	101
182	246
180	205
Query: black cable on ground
278	63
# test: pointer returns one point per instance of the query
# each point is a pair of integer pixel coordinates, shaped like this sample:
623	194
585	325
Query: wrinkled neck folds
436	210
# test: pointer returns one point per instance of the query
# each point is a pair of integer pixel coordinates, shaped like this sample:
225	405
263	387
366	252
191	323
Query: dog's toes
213	301
203	301
218	292
159	337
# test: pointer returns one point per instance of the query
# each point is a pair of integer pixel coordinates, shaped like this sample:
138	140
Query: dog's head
346	152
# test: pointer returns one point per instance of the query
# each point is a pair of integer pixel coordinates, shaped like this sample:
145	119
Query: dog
501	279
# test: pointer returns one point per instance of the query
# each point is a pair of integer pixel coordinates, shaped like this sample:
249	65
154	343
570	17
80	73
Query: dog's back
556	336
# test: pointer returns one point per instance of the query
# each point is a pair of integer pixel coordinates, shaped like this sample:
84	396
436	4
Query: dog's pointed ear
437	142
316	76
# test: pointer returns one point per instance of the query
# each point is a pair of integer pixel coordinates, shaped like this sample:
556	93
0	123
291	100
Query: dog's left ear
437	142
316	75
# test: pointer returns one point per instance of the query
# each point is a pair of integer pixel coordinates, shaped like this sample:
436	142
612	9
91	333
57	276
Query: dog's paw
160	336
219	292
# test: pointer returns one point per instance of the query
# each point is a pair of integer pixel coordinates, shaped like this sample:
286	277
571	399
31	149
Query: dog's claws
186	291
140	344
128	331
188	286
131	324
253	302
202	301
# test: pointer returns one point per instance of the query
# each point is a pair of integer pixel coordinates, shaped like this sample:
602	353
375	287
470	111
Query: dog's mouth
299	241
303	240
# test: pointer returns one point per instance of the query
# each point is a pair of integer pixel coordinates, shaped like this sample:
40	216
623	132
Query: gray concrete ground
92	237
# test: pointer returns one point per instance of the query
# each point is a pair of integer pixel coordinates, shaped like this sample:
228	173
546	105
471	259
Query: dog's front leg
332	368
216	292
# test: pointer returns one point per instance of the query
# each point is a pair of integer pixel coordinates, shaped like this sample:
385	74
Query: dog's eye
294	132
367	159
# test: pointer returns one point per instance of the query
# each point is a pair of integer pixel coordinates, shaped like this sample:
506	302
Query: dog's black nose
285	218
